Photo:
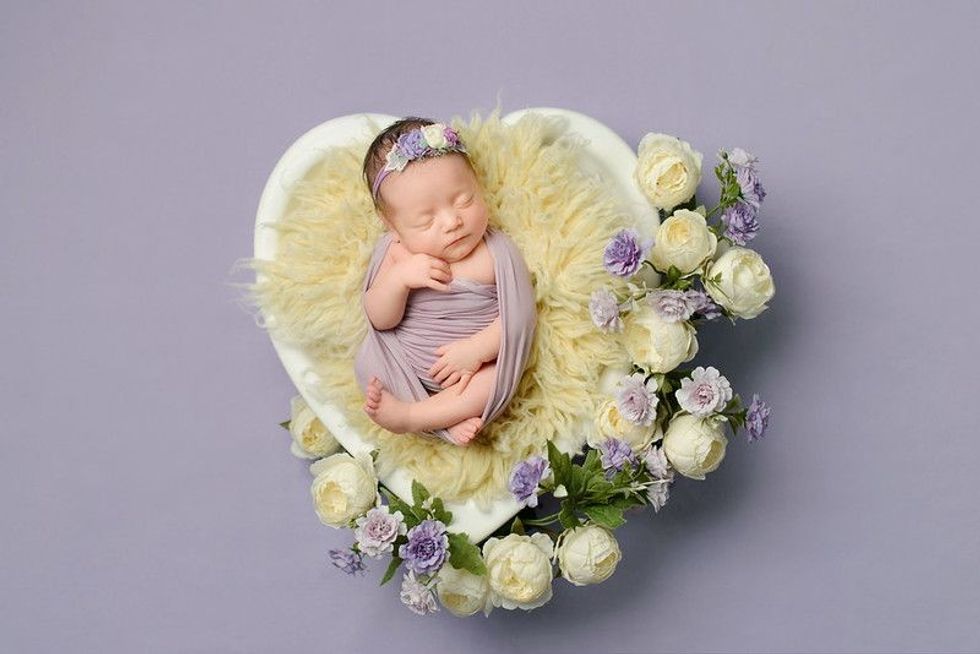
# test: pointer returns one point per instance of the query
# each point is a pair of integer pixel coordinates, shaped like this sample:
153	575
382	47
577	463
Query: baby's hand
423	270
458	362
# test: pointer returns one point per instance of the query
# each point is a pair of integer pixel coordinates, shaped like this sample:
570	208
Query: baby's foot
386	410
373	394
463	432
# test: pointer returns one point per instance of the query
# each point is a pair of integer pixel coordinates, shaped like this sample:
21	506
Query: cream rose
745	285
658	345
695	446
519	570
588	555
435	136
610	423
462	592
668	170
311	440
345	488
683	241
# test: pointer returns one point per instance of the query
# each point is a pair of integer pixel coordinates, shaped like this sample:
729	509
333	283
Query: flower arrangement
653	422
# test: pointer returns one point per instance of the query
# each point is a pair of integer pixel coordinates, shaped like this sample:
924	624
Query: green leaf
440	512
419	493
592	463
517	527
395	503
285	425
464	555
567	516
607	516
560	463
390	572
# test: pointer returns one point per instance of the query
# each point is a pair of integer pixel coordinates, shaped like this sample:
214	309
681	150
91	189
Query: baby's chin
458	251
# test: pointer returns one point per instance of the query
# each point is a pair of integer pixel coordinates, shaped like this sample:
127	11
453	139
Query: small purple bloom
417	596
451	136
748	181
658	465
705	392
615	455
604	310
425	551
671	305
525	478
348	560
412	144
703	304
635	401
740	222
377	530
624	254
757	418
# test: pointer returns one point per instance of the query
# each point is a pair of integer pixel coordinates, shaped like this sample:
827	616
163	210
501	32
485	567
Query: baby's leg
445	409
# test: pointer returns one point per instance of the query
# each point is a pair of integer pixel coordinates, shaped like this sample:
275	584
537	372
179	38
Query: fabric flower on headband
429	140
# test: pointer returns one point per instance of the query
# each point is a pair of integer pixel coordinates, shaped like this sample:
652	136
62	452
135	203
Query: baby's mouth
458	240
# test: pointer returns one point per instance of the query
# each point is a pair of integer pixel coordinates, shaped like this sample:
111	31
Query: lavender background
149	500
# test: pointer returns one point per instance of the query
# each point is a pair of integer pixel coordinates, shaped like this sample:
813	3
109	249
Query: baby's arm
399	273
487	341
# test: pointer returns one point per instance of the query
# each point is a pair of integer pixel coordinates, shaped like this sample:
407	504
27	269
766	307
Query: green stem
541	522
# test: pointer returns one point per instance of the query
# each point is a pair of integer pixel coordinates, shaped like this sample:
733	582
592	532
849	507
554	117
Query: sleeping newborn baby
449	301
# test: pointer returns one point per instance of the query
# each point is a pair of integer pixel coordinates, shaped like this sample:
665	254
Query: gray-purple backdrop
150	503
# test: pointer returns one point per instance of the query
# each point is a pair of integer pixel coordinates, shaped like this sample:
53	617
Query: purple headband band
427	141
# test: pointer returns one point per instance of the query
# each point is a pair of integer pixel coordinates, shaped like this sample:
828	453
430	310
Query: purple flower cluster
616	454
426	549
757	418
701	303
348	560
624	253
525	478
671	305
412	144
740	219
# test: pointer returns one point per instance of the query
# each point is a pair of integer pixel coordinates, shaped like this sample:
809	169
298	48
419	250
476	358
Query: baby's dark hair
374	159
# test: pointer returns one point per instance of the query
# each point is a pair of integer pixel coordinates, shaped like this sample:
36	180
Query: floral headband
426	141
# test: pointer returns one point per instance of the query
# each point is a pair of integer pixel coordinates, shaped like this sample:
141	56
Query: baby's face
436	207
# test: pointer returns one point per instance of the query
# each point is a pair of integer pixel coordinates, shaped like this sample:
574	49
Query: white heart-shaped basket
606	155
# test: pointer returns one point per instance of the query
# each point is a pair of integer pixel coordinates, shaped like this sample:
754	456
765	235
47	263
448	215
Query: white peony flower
683	241
345	488
311	440
519	570
462	592
656	344
435	135
610	423
745	285
588	555
417	596
668	170
695	446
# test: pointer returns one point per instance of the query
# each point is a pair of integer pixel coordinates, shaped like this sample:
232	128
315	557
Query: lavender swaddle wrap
400	357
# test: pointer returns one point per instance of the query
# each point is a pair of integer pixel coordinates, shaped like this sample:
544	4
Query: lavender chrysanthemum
740	222
452	138
412	144
705	392
525	478
658	493
418	597
624	253
604	310
656	462
748	181
671	305
635	401
757	418
616	454
425	551
348	560
377	530
703	304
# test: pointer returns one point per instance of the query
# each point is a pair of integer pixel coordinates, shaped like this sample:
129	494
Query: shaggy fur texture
560	218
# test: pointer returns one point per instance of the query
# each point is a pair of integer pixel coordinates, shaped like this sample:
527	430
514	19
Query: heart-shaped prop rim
606	155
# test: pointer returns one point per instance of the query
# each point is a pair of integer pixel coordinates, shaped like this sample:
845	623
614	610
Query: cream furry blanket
559	217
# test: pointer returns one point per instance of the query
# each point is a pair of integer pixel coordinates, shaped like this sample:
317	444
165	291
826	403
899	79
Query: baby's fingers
453	378
437	285
464	381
